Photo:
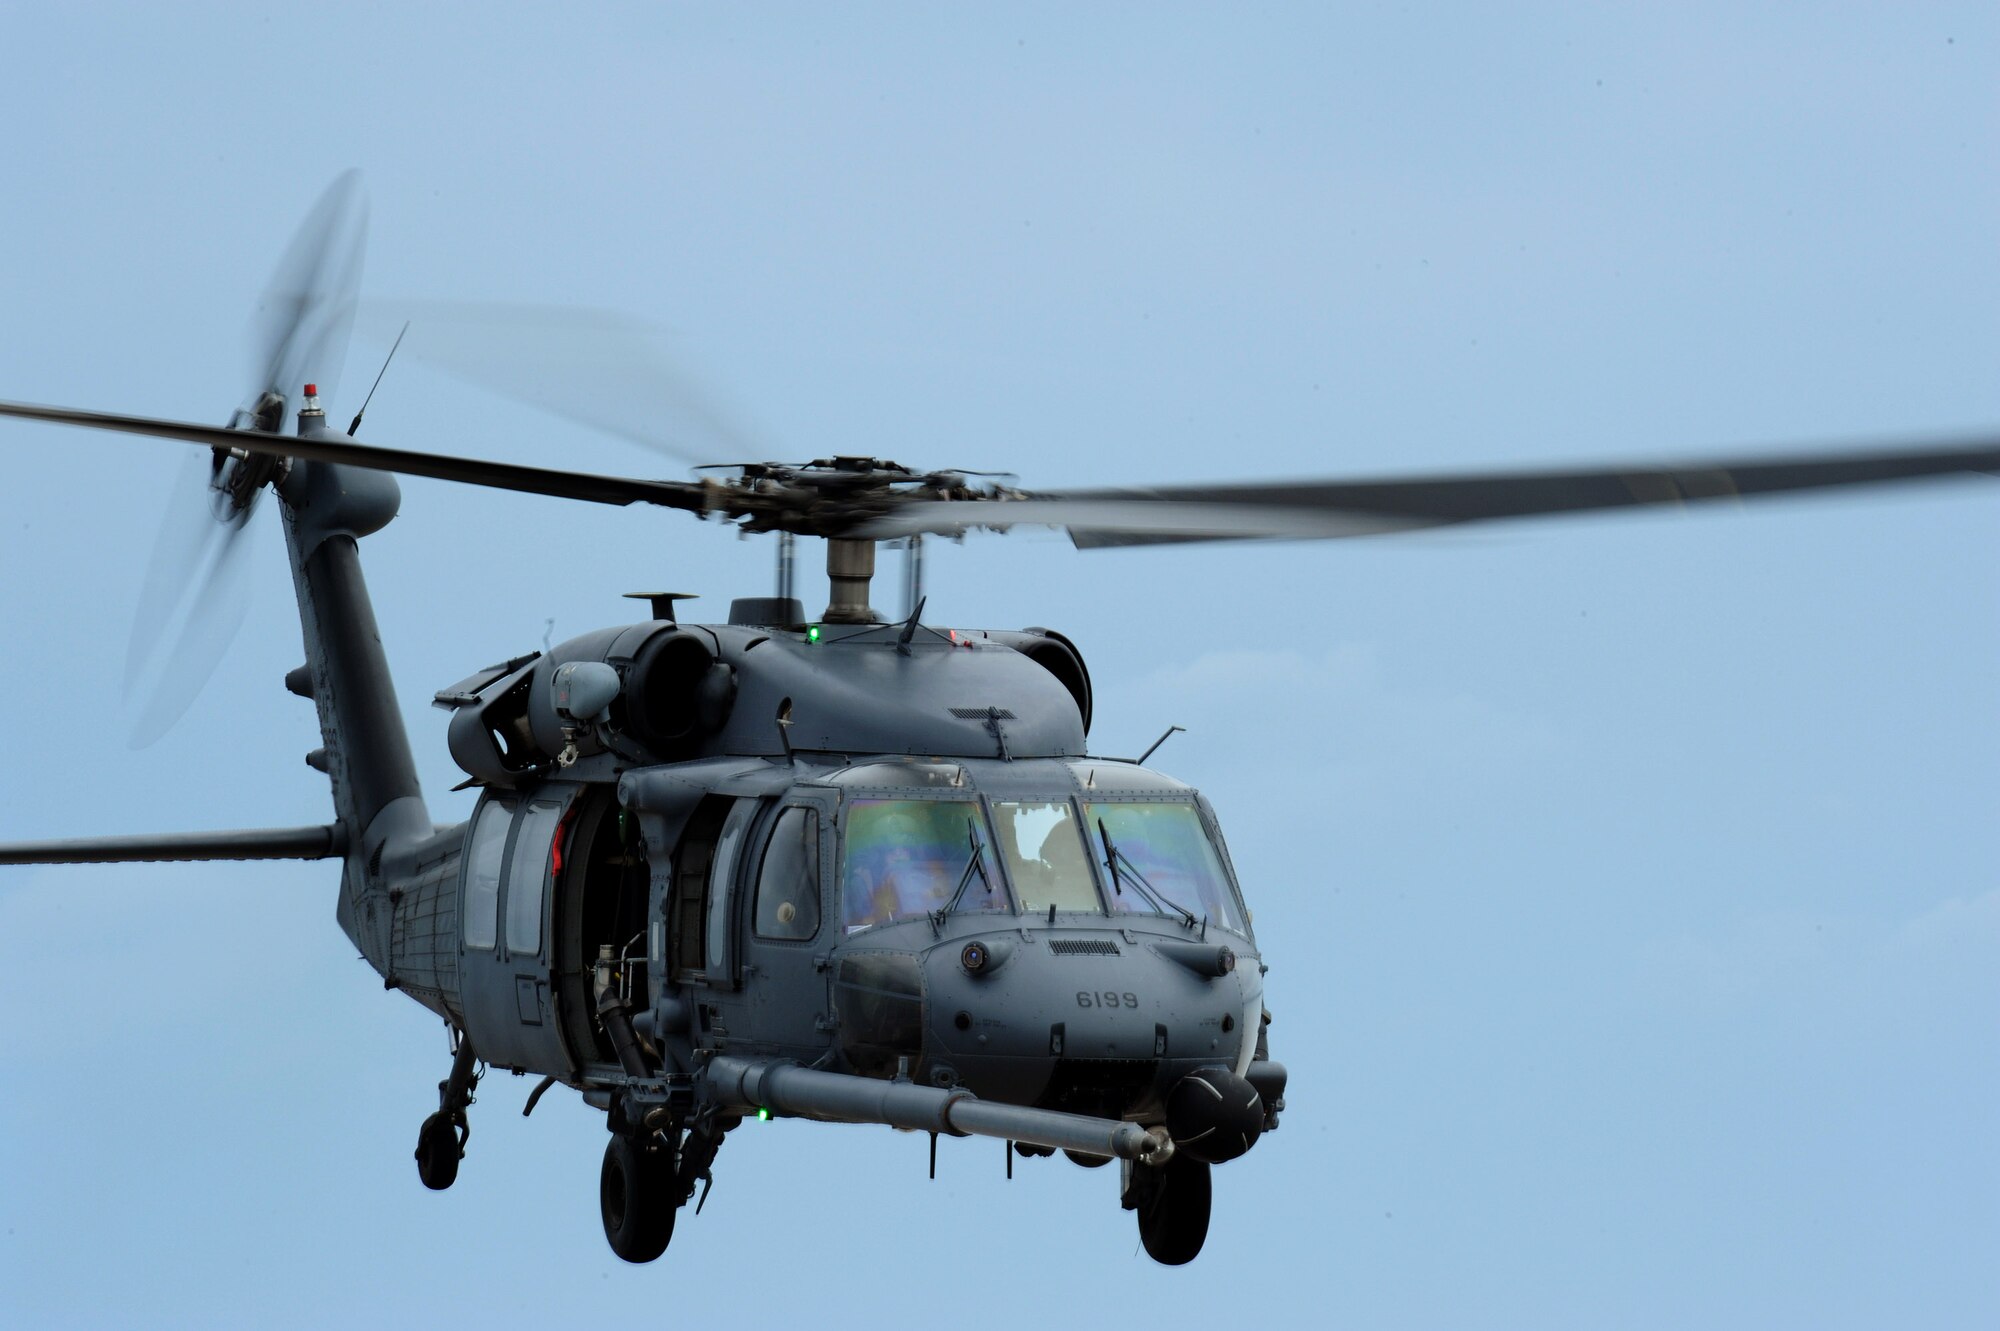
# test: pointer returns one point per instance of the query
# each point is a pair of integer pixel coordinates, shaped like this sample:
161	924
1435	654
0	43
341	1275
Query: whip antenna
351	429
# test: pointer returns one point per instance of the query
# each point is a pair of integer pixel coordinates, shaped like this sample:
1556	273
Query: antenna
910	628
378	379
1171	732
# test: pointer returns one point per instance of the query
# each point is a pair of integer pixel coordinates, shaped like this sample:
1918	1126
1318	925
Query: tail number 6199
1106	998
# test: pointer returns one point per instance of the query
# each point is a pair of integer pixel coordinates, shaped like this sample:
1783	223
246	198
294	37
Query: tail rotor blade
196	592
194	600
301	324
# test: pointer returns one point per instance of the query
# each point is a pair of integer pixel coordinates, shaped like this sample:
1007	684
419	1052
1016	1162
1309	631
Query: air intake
1083	947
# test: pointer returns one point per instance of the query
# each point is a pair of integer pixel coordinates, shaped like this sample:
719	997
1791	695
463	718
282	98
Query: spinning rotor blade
605	370
195	598
300	328
331	447
1328	509
197	587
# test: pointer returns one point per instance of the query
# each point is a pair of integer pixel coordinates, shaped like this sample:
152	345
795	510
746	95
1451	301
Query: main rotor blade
1328	509
338	448
609	371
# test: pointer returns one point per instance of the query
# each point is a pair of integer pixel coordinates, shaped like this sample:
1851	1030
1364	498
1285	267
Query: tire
1086	1160
438	1152
1173	1222
635	1194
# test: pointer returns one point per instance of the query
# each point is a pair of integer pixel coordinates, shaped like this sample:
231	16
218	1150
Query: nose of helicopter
1108	1022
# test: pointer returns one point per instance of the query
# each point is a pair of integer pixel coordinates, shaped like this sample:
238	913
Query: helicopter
820	866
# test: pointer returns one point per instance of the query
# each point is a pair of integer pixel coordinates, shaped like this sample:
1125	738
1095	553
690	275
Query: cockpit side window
787	904
904	858
1046	856
1165	845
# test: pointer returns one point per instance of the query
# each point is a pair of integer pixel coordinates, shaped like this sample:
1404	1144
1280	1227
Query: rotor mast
850	566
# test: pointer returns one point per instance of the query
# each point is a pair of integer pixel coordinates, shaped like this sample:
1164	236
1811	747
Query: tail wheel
635	1192
1173	1219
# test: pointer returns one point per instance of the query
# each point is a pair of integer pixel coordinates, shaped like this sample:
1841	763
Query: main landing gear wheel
439	1149
1173	1210
636	1193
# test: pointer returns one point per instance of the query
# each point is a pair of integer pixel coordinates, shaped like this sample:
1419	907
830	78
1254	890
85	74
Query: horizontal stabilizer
257	843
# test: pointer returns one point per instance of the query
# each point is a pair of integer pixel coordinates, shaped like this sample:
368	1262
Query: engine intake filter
677	693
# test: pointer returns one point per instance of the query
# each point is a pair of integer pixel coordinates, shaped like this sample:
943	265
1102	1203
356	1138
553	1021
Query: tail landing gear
441	1141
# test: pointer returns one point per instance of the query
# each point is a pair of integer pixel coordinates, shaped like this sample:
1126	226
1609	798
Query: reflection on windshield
1168	846
904	858
1045	856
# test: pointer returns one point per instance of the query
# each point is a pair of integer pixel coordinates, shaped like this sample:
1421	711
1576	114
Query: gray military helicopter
822	866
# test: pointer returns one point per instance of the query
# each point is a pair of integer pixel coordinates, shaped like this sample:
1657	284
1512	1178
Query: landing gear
647	1178
636	1193
439	1148
441	1141
1172	1202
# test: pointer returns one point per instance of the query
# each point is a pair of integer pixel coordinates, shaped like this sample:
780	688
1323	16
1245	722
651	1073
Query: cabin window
1046	856
1163	847
787	904
486	849
527	874
906	858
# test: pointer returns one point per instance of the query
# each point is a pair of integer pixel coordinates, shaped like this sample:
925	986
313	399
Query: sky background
1627	884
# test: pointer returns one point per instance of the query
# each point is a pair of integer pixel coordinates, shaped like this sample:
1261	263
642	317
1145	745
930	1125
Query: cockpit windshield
905	858
1166	846
1045	855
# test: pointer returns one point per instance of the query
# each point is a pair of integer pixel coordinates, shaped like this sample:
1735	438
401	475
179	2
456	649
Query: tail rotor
197	586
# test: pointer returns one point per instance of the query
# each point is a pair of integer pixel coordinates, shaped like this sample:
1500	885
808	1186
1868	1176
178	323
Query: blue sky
1628	885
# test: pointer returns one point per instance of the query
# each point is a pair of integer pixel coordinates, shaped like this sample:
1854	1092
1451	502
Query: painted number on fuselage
1106	998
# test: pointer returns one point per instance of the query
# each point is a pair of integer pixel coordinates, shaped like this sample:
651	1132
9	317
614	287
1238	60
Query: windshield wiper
974	863
1116	863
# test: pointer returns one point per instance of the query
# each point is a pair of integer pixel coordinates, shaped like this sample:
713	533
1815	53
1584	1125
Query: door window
787	904
721	888
527	873
485	849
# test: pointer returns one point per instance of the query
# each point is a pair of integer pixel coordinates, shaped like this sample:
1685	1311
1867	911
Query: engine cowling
673	693
1056	654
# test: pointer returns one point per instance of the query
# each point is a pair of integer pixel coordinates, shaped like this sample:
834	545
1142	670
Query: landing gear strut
1172	1202
441	1141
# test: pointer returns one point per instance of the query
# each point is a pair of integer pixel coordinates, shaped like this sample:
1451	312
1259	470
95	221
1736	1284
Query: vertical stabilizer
327	509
